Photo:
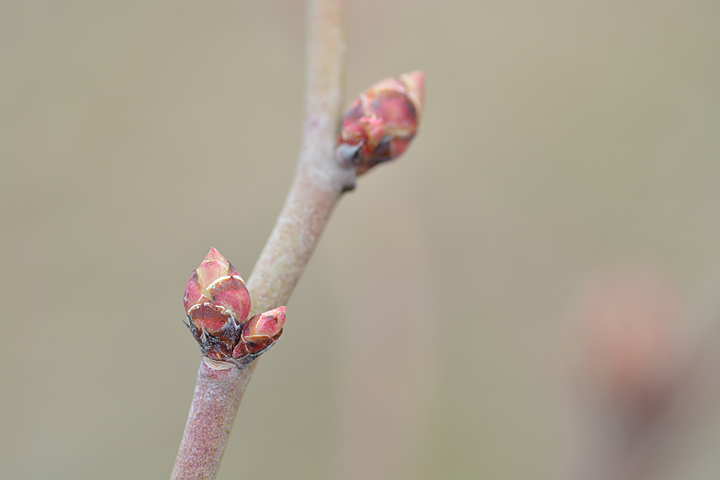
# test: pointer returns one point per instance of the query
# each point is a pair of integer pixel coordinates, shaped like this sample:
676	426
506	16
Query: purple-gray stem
319	182
319	179
218	393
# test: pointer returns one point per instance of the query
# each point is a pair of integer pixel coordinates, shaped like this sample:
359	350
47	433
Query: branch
319	182
319	179
378	126
218	393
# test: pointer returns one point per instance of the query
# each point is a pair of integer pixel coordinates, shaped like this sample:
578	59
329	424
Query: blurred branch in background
640	379
390	366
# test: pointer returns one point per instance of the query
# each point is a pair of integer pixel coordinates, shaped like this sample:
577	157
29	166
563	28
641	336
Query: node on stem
217	304
380	123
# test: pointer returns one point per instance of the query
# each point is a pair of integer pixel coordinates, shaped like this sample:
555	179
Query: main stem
218	393
319	181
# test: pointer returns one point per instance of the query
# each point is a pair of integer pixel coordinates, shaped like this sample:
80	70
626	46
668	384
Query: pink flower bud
217	285
262	331
217	304
380	124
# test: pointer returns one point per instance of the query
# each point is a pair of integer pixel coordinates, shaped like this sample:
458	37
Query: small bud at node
380	124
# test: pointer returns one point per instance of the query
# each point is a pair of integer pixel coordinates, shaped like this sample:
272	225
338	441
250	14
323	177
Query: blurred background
559	137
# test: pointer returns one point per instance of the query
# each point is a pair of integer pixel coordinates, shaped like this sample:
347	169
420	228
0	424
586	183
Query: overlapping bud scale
380	124
217	303
260	332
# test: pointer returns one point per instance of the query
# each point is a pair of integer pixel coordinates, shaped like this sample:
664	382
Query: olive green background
425	338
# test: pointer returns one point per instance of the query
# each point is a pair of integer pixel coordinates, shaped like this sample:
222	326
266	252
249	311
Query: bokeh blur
426	338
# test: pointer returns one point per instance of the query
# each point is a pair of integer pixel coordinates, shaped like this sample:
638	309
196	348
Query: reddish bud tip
415	83
213	254
380	124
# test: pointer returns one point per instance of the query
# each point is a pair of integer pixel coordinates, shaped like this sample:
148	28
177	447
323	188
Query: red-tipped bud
261	332
380	124
217	304
217	285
